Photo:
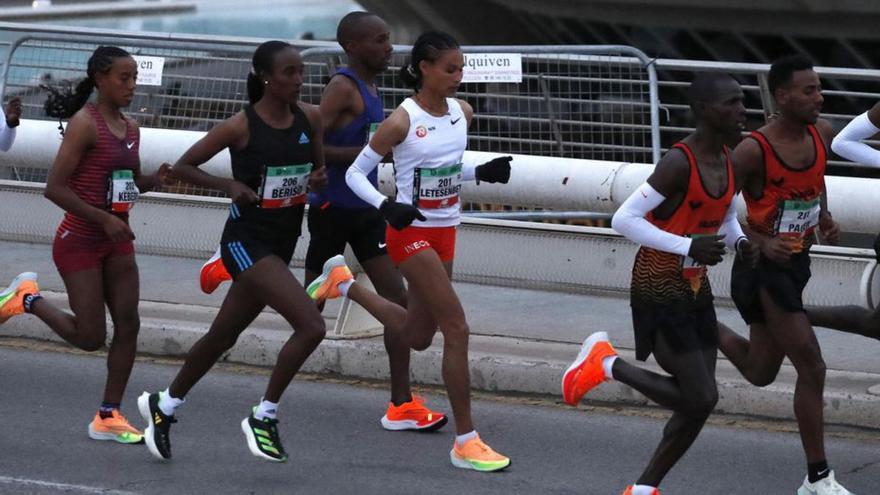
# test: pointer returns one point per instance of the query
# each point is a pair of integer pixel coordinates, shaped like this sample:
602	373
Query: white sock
607	364
168	404
266	409
643	490
344	286
461	439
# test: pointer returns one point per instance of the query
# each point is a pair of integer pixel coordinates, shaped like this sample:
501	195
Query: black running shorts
331	228
785	284
685	329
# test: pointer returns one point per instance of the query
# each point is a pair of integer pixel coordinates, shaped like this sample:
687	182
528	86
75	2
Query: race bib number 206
122	192
284	186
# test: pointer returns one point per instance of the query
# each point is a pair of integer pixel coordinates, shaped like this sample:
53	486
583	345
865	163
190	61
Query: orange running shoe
213	273
325	286
412	415
586	372
12	298
476	455
629	491
114	428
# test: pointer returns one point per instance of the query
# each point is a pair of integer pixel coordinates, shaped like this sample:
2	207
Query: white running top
427	164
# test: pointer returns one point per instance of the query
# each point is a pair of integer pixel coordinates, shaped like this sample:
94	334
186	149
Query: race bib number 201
284	186
436	187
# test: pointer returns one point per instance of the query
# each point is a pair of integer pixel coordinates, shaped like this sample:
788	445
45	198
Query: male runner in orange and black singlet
682	217
781	169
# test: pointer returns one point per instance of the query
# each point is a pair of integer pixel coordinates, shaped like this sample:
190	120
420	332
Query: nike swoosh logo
382	245
456	120
823	472
130	145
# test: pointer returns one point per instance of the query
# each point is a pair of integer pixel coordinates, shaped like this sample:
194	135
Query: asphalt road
331	430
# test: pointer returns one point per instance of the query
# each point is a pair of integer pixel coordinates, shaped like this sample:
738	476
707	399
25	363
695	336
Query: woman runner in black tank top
275	145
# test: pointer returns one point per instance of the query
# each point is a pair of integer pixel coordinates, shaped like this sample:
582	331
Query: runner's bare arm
146	183
231	133
80	135
318	177
468	111
338	98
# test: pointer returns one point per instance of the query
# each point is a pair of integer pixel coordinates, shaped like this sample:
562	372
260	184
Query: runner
680	217
275	147
96	178
781	169
428	135
847	143
351	109
8	122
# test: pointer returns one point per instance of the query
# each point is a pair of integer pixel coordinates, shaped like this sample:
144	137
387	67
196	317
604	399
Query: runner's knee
313	329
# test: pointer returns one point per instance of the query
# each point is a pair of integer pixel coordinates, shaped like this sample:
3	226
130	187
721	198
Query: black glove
495	170
399	215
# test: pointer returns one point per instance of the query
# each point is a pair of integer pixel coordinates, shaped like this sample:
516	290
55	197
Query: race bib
284	186
692	270
797	219
122	191
436	187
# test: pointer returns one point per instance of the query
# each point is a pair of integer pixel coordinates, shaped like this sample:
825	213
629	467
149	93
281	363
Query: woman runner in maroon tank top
96	178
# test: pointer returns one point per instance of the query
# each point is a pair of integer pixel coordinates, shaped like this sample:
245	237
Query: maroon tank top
92	174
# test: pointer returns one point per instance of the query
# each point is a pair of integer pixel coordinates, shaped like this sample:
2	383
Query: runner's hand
707	250
495	170
830	229
241	194
163	176
399	215
13	112
116	229
748	251
777	249
318	179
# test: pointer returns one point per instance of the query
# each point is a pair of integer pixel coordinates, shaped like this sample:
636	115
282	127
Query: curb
498	364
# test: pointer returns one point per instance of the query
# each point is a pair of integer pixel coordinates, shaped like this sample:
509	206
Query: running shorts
785	284
332	227
402	244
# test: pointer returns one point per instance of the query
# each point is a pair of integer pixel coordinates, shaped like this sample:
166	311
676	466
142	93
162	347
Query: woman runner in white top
427	135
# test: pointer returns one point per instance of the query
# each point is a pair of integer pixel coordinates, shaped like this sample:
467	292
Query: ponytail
64	101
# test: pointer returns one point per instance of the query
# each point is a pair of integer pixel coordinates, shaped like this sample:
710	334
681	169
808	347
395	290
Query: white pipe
547	182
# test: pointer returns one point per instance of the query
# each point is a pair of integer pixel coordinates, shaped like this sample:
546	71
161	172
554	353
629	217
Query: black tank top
275	164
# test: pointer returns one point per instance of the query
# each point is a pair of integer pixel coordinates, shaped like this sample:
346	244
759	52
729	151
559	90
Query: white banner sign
149	70
492	67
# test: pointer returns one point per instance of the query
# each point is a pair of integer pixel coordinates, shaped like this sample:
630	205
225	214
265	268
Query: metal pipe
536	181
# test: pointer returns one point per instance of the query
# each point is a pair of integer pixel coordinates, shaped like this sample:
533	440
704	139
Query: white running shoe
825	486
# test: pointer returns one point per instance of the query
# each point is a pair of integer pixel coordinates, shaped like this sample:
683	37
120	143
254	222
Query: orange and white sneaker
629	491
213	273
476	455
326	285
586	372
115	428
412	415
12	298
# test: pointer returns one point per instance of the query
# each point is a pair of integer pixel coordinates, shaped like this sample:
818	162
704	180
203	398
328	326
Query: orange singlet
790	203
660	278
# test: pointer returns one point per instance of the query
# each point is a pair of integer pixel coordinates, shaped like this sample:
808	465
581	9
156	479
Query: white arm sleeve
630	221
356	176
731	229
7	135
468	168
848	143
